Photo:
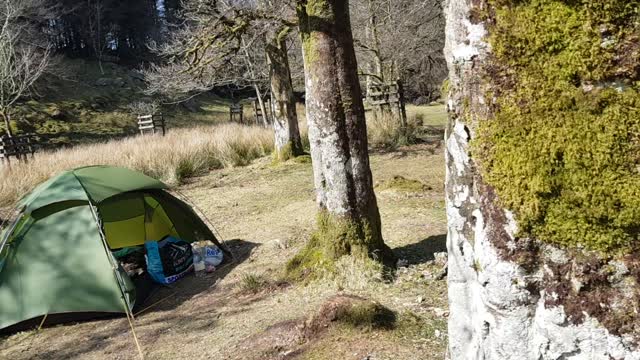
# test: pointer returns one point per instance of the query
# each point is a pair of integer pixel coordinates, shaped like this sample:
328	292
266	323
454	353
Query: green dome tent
56	255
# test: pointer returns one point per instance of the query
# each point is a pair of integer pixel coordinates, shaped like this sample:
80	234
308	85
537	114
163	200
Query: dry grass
387	132
185	152
179	155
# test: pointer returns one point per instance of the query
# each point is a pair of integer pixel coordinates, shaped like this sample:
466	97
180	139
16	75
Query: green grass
432	115
253	283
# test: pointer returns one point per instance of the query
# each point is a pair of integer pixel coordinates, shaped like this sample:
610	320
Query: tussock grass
385	131
183	153
367	316
253	283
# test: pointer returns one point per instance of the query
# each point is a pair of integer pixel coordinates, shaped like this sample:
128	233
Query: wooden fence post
236	112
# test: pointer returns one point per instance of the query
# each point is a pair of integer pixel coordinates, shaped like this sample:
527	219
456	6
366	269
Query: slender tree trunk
263	108
285	119
350	220
7	123
372	32
265	118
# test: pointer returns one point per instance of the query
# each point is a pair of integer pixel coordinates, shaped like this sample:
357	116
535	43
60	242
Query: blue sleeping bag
168	259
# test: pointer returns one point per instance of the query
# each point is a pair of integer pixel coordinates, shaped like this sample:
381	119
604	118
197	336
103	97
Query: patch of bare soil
266	213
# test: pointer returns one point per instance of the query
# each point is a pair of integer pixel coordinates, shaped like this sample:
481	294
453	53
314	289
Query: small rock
278	244
440	258
440	275
440	312
402	263
420	299
437	333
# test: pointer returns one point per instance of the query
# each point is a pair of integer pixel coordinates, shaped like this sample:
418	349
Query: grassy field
435	115
265	213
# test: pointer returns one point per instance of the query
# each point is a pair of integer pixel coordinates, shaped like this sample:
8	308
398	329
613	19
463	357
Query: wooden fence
18	146
387	97
151	124
257	112
236	113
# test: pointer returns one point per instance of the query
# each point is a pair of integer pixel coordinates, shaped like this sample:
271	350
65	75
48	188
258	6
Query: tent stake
133	330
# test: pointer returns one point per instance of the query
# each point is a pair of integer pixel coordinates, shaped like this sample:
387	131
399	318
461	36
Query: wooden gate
151	124
18	146
388	97
257	112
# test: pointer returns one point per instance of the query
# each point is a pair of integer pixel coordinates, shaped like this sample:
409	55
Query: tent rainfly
56	255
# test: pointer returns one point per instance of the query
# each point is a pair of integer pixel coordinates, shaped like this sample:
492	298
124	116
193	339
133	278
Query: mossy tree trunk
349	223
542	168
285	120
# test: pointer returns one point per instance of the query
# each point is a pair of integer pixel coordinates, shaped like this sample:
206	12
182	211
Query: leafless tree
22	61
144	107
239	43
401	40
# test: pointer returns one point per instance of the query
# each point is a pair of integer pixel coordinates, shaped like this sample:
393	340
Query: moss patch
400	183
352	311
367	316
334	238
562	147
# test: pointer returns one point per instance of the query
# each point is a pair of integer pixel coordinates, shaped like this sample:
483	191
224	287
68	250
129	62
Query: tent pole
117	276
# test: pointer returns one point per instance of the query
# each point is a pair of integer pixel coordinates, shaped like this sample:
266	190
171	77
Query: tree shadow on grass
422	251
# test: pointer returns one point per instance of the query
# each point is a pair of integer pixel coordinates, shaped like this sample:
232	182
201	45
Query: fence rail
151	124
18	146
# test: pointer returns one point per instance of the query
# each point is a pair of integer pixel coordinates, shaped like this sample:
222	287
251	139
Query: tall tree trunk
285	120
350	220
256	86
7	123
514	293
376	67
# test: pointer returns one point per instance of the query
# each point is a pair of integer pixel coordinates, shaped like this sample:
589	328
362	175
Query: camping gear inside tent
59	253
